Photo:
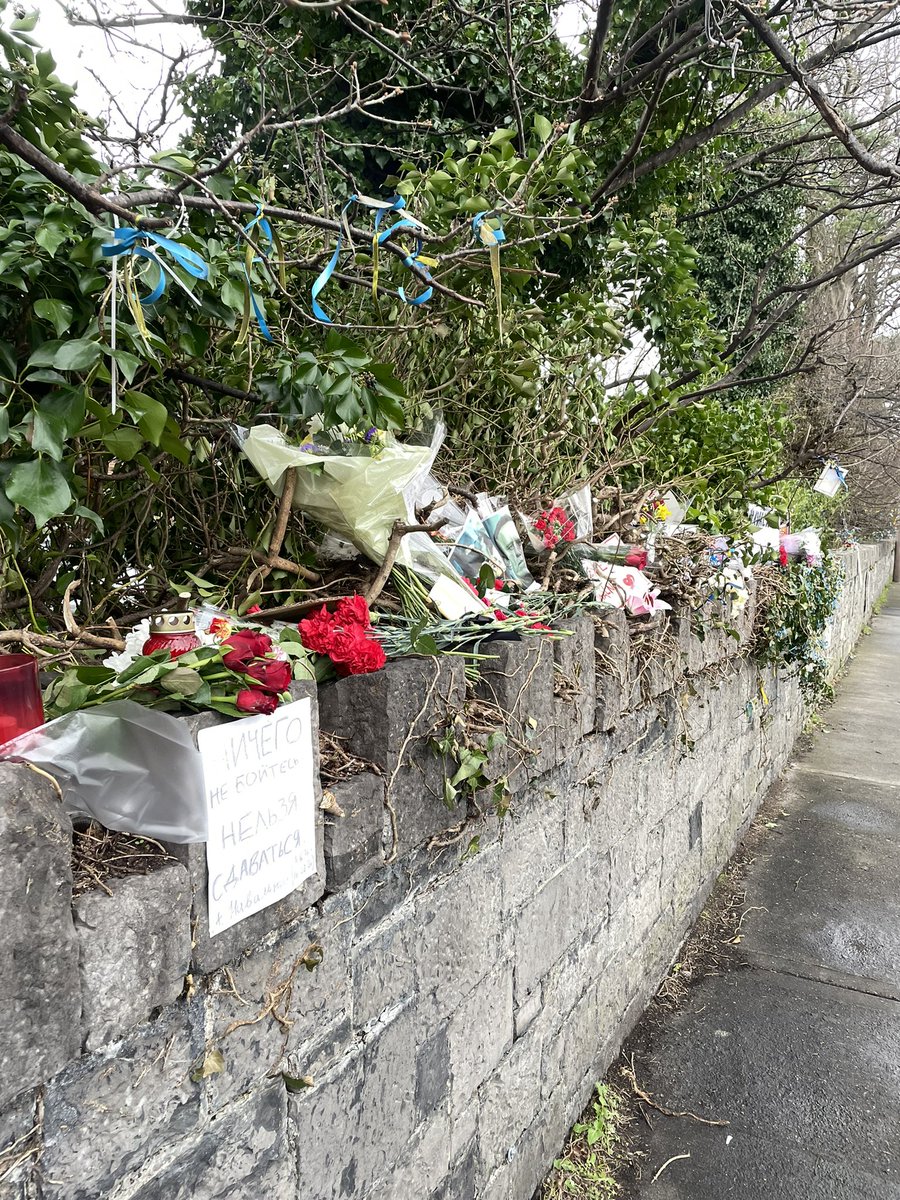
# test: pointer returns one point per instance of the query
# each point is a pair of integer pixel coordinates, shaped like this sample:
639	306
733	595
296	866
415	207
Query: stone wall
465	1002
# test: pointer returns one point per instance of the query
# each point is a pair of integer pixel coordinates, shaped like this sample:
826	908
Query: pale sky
134	74
88	58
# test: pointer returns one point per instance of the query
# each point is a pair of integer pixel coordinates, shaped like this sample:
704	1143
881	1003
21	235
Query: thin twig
668	1163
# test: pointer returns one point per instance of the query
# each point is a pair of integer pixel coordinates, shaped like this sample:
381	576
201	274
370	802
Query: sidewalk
800	1051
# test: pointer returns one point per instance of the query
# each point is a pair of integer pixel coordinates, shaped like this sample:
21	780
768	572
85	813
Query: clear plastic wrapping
133	769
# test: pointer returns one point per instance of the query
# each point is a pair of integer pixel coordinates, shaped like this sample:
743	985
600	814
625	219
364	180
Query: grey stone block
370	1098
457	933
423	1166
481	1032
518	679
509	1100
208	952
433	1070
531	848
105	1116
271	1013
612	649
568	903
353	840
40	992
242	1156
390	718
463	1180
135	950
385	965
575	683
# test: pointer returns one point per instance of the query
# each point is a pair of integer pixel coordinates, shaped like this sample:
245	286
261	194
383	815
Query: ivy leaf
150	415
124	442
542	127
128	363
50	235
48	433
4	425
27	23
74	355
89	515
56	312
39	487
213	1064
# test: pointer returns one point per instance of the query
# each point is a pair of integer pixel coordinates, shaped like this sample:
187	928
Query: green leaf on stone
297	1083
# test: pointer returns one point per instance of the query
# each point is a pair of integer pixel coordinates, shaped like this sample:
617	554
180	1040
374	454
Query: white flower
134	641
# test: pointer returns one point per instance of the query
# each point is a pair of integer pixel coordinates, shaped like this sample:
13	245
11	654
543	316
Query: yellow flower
662	511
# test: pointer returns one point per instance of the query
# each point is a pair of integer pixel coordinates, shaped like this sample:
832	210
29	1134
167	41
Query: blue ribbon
129	240
380	237
411	261
267	241
499	235
318	312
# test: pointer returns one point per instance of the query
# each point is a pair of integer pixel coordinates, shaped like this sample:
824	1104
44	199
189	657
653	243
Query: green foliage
796	621
586	1170
524	369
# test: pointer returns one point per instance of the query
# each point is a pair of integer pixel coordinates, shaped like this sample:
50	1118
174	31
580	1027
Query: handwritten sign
260	795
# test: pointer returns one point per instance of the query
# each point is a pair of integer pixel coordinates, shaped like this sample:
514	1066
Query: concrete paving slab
874	755
751	1168
810	1071
823	898
800	1050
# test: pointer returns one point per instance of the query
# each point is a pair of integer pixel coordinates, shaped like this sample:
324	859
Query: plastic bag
623	587
131	768
358	496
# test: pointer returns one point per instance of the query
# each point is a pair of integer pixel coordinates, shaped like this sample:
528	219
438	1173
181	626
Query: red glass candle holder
21	707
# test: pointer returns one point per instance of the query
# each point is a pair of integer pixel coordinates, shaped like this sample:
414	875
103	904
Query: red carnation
272	675
253	700
367	656
316	630
556	526
636	557
353	610
353	653
244	646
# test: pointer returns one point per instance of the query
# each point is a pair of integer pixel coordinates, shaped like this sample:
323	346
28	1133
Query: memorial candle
21	707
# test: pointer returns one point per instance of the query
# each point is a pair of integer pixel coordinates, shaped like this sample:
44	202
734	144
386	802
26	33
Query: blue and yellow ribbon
270	244
492	238
134	243
416	261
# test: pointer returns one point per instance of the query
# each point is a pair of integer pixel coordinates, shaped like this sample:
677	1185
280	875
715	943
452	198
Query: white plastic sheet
133	769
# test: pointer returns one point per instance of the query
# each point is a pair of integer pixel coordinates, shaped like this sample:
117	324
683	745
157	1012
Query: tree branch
829	114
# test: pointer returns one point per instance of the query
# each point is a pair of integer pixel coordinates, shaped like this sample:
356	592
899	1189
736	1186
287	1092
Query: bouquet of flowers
236	671
247	672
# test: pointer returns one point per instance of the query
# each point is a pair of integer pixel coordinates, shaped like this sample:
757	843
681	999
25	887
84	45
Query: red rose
353	610
252	700
636	557
272	675
783	556
254	608
244	646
